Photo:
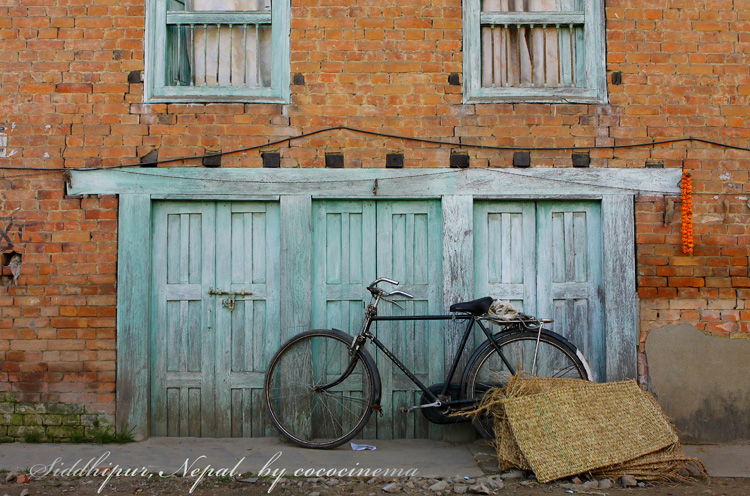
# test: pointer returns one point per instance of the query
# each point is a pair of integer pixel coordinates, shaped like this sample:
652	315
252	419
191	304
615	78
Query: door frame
295	190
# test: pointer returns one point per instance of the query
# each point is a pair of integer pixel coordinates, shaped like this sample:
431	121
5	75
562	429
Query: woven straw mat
575	429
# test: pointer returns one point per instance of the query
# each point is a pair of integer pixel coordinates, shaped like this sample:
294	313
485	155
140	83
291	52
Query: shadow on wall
702	382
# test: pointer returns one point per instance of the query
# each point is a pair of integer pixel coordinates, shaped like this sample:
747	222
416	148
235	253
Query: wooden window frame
594	70
155	91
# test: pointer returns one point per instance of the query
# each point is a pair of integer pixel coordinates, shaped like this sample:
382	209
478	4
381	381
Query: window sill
563	96
217	99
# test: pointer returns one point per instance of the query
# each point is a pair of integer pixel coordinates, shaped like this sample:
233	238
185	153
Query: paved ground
428	458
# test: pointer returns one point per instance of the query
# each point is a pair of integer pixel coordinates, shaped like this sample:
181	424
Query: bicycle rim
554	359
318	419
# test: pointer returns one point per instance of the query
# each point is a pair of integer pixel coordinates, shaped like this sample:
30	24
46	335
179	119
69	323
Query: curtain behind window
525	55
240	56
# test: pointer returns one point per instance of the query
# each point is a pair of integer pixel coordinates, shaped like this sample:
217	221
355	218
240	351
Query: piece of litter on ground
250	479
362	447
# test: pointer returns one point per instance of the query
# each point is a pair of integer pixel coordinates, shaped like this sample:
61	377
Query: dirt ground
332	487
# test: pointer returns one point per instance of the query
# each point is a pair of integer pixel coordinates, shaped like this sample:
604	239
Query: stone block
11	419
33	419
63	432
31	408
93	421
70	419
65	409
18	431
52	419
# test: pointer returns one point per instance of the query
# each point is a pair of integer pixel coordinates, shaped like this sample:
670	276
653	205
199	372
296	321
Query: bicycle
322	386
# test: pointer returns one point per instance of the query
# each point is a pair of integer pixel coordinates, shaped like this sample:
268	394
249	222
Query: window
534	51
218	50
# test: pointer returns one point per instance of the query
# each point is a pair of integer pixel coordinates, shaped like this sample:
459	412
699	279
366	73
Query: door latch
228	302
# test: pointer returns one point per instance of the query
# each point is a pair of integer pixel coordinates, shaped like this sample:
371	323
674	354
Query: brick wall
65	101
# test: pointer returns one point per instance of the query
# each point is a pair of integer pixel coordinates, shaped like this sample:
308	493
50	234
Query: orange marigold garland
687	213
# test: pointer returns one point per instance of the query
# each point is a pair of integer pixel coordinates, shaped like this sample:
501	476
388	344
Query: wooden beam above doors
538	183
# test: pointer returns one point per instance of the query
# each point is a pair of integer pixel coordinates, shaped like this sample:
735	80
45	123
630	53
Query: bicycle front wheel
554	357
306	415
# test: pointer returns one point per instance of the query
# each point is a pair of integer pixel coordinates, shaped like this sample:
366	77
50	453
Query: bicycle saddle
474	307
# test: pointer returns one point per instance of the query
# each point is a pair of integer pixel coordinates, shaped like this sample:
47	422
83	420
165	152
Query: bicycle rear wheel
556	358
319	419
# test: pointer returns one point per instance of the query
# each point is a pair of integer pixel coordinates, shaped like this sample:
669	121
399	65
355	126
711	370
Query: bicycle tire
320	419
557	358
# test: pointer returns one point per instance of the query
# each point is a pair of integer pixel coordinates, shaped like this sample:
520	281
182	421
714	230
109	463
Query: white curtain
241	57
519	55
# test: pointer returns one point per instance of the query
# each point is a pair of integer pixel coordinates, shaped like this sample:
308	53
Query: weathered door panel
182	379
209	358
570	275
409	249
343	264
247	335
505	253
545	257
355	242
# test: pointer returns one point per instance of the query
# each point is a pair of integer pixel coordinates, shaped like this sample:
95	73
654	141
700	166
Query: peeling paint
726	176
4	151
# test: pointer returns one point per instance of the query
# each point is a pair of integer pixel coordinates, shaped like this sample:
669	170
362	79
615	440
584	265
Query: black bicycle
322	385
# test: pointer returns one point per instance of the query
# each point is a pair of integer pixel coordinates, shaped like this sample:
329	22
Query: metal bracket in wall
669	211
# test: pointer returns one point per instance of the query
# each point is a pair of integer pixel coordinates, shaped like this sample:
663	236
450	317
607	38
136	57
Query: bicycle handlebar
401	293
382	279
375	290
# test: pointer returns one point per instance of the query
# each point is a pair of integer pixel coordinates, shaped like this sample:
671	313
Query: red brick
689	282
74	87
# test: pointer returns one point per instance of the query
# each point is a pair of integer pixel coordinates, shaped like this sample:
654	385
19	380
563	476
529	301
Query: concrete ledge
702	383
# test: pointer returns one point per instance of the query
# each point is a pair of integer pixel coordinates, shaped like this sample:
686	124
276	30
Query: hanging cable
378	134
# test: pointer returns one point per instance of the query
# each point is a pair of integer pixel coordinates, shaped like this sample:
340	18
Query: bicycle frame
456	359
364	334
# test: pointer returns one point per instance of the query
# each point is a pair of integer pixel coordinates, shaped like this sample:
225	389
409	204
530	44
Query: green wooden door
247	260
570	287
207	357
546	257
183	381
353	243
410	250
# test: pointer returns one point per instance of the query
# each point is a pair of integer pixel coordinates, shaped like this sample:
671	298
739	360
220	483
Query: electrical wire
289	139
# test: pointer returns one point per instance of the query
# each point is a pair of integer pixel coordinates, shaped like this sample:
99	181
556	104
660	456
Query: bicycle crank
410	409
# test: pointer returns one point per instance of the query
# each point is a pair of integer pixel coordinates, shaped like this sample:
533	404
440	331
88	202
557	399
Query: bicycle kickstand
409	409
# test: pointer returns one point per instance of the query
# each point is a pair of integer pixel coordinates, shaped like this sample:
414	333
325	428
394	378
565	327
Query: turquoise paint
546	258
208	361
138	194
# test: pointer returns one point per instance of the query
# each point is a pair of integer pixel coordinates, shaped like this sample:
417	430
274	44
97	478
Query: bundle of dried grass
563	427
